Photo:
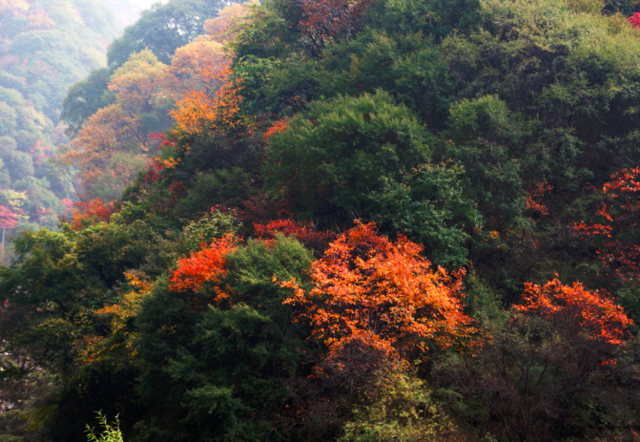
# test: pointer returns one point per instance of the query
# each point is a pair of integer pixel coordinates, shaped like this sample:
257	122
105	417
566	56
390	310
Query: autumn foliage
207	266
371	290
634	20
8	219
91	210
117	138
330	19
595	316
538	192
617	220
94	348
305	232
199	111
279	126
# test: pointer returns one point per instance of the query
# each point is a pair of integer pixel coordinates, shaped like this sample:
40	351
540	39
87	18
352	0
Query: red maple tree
8	219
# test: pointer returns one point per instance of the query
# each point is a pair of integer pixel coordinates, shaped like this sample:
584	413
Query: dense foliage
369	220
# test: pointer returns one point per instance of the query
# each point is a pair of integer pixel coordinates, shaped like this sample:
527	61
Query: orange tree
371	290
369	299
198	111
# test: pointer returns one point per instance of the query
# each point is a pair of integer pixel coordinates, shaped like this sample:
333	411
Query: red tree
8	219
305	232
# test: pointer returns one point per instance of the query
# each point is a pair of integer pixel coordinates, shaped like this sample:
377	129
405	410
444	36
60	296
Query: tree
595	316
230	19
304	232
85	98
545	366
193	66
232	369
90	211
141	93
198	112
397	406
330	158
429	205
141	101
382	294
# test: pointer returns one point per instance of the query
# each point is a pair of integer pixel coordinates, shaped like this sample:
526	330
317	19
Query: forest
327	220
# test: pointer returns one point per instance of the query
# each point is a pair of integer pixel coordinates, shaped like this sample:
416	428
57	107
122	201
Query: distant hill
45	46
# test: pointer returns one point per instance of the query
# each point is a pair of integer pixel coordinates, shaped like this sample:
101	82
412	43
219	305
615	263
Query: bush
110	432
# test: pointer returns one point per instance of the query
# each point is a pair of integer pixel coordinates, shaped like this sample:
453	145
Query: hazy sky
128	11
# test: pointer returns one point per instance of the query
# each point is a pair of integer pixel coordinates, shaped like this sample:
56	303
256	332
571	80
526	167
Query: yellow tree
140	85
215	101
192	65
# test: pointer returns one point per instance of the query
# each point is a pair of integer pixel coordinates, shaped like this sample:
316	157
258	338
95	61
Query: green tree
329	159
84	98
228	369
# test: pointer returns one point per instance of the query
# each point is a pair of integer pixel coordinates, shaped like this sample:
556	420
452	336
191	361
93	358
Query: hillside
338	220
45	46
